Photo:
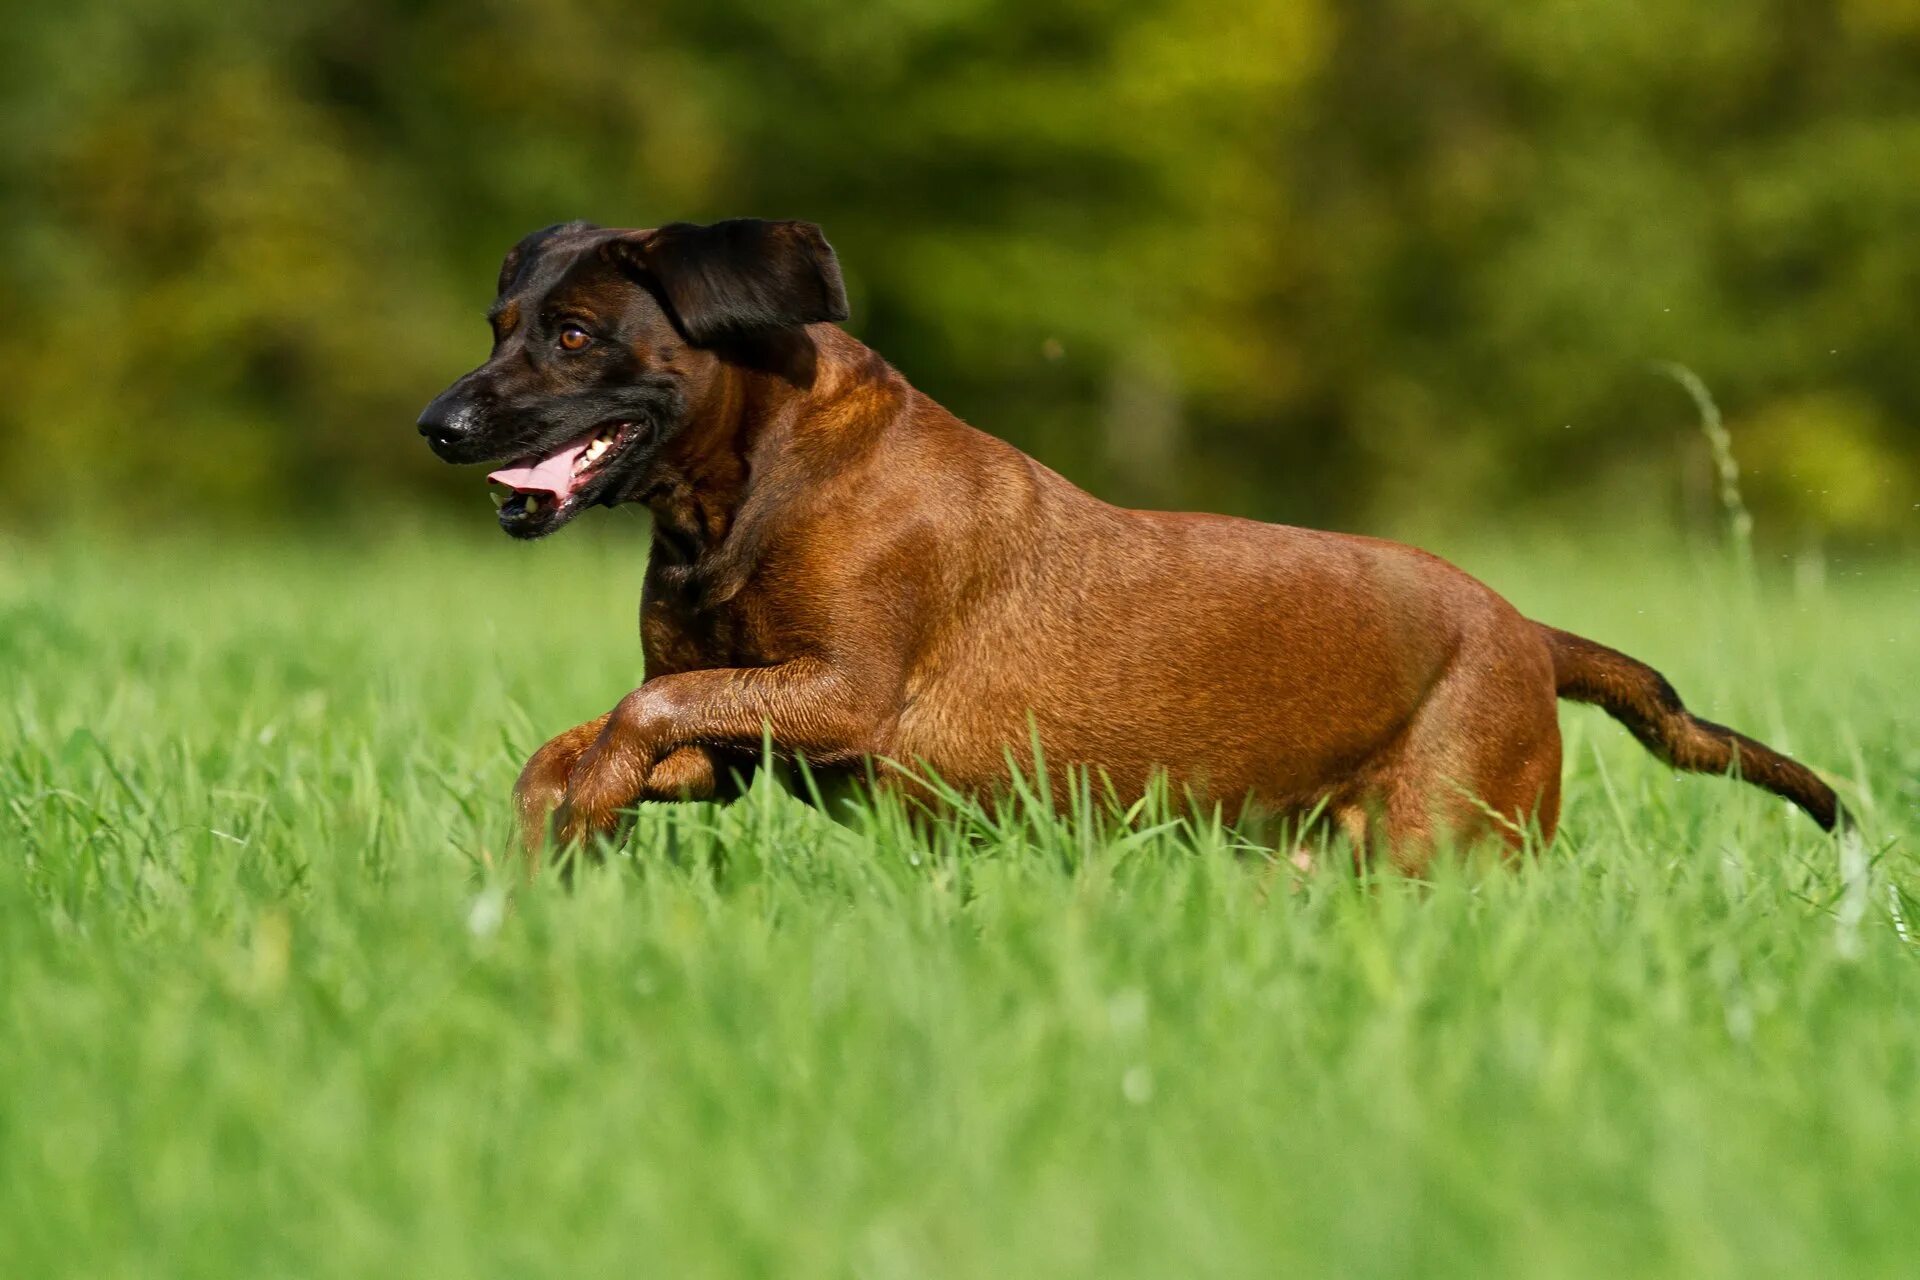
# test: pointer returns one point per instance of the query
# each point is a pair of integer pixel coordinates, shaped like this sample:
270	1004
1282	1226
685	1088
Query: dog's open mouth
549	489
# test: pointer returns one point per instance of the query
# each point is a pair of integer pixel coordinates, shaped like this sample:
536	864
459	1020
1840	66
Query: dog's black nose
446	422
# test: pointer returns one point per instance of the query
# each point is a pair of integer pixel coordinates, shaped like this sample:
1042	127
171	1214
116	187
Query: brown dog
843	566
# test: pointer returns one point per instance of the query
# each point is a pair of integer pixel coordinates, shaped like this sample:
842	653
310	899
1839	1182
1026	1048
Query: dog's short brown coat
843	567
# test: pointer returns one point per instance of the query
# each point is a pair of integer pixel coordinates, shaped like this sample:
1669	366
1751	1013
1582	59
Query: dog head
605	340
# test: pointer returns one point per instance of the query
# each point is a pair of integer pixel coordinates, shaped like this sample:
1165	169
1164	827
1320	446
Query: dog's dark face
604	341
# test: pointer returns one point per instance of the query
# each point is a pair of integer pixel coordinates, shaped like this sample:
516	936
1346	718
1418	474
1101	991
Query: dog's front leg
689	773
807	707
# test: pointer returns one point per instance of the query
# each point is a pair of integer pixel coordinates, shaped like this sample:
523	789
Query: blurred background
1373	264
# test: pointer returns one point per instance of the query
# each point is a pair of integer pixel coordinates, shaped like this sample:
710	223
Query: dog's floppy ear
740	276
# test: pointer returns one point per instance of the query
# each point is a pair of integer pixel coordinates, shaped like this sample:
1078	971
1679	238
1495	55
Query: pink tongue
552	474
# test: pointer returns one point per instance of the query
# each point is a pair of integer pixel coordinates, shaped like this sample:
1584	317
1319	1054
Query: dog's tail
1641	699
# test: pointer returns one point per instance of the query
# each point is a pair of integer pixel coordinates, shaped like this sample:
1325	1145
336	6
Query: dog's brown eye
574	338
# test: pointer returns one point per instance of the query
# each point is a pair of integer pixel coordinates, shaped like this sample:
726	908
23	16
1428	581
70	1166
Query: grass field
270	1004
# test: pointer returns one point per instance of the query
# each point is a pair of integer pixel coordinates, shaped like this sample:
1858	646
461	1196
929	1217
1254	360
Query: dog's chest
681	632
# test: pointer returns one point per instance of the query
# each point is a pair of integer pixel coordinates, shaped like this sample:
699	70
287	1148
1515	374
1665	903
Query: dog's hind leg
1481	758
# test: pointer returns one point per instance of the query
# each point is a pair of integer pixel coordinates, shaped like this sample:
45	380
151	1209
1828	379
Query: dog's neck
700	481
768	394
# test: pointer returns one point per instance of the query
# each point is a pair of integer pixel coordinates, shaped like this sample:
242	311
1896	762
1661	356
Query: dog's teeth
531	506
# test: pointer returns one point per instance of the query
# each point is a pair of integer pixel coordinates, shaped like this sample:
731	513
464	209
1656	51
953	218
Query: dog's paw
534	803
580	821
544	785
606	785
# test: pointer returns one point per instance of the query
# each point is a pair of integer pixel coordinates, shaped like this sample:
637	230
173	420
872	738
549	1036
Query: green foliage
272	1005
1346	262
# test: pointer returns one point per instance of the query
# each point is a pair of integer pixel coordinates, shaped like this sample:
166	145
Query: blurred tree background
1390	264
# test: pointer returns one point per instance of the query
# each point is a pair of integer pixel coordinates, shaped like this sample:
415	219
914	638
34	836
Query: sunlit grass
272	1003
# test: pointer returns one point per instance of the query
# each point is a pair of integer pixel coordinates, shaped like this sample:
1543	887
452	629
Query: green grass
271	1005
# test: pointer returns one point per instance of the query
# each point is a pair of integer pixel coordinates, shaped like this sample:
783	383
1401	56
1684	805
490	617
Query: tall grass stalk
1744	564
